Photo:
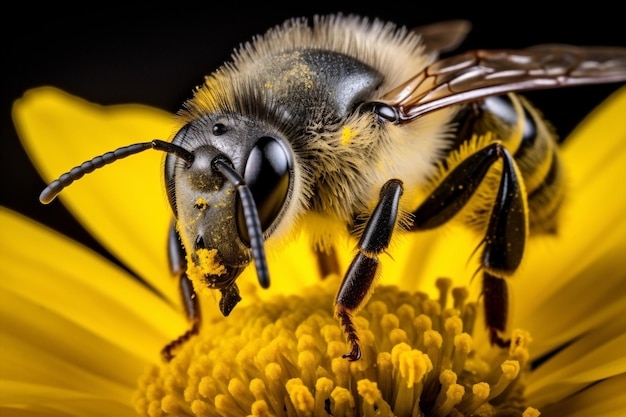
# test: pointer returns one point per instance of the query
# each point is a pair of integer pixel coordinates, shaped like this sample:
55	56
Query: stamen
449	395
510	370
443	285
341	369
422	323
520	339
227	406
307	364
283	358
413	366
406	315
300	395
373	397
257	388
385	373
237	389
460	296
454	394
453	326
343	401
531	412
398	336
323	389
260	409
433	342
171	405
462	348
480	393
200	408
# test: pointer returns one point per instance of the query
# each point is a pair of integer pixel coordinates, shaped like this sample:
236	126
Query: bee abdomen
540	164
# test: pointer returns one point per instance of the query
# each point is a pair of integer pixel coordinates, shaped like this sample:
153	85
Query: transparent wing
477	74
443	36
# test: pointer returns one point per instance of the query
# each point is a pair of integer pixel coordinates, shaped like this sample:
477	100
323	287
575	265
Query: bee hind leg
507	229
357	282
178	266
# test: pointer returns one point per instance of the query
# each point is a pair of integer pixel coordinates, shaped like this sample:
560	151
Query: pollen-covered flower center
283	357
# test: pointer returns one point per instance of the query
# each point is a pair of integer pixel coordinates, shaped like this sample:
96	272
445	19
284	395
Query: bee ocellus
336	119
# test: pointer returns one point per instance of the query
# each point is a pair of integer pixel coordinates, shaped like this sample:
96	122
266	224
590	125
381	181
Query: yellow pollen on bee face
347	134
207	264
201	203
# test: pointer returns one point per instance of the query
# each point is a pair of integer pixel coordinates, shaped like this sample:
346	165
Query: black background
157	54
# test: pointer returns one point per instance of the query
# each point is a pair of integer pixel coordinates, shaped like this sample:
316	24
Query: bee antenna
252	219
55	187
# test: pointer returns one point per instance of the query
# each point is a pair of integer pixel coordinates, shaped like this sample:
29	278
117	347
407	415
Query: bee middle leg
327	262
506	231
357	282
178	266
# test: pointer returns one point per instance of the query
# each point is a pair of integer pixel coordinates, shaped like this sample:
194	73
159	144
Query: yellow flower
81	336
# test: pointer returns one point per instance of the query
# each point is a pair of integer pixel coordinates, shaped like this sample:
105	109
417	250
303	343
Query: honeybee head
231	194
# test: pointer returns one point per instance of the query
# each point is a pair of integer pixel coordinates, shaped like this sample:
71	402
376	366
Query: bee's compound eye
267	174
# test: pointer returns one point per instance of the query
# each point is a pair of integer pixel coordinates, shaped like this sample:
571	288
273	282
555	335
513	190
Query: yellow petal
61	277
122	205
597	355
55	352
592	225
595	161
595	139
446	252
604	399
25	399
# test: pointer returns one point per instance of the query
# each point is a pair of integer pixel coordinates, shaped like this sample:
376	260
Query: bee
332	122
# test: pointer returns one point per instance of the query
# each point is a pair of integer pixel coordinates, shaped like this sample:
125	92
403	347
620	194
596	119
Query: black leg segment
496	299
357	283
507	227
178	267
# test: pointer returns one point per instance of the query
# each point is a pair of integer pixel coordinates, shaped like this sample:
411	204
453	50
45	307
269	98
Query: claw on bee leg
345	318
167	353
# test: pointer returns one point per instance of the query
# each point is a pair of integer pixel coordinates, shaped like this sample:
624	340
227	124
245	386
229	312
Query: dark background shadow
156	57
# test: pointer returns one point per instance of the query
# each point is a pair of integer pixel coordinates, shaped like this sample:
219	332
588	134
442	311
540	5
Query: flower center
283	357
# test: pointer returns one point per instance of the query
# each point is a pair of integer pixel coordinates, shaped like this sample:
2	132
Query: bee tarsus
357	282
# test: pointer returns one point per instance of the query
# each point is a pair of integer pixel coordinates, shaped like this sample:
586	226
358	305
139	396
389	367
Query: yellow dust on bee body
347	134
283	357
201	203
203	263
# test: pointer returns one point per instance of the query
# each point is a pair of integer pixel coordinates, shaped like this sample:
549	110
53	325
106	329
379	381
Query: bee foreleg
178	267
507	228
357	283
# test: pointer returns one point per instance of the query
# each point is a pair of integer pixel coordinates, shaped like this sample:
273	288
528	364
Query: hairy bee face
208	208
